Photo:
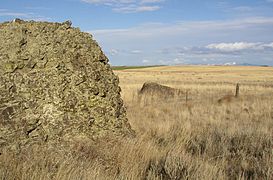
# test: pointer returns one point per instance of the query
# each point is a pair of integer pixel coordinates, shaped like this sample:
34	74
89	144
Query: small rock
17	20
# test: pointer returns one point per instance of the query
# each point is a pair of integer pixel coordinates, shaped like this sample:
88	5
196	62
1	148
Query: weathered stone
161	91
55	83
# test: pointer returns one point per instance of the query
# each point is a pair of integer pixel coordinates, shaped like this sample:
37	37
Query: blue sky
148	32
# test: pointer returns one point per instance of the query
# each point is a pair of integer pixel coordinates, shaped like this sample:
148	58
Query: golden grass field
175	139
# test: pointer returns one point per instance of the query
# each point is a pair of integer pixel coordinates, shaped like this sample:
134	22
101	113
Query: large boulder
55	83
160	91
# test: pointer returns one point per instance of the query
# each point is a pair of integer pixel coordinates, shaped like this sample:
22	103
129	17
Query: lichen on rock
55	83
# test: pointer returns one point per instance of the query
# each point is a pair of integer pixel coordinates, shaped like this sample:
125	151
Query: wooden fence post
237	90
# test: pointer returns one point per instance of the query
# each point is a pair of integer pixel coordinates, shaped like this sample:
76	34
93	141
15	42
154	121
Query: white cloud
14	14
128	6
239	28
178	60
240	46
193	41
270	45
230	64
109	2
25	16
229	47
135	9
114	52
147	8
235	48
242	9
136	51
145	61
150	1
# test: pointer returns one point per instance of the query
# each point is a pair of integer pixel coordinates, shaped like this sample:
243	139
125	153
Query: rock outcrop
161	91
55	83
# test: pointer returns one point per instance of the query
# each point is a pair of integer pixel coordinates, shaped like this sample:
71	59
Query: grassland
175	139
130	67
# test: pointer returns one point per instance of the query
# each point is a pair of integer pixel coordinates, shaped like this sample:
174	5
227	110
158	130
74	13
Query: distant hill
248	64
133	67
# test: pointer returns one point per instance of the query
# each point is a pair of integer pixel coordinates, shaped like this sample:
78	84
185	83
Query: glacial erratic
55	83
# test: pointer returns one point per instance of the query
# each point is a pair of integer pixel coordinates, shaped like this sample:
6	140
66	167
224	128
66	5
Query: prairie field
205	132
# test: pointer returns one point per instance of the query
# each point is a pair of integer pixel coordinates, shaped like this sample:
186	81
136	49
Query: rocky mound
55	83
155	89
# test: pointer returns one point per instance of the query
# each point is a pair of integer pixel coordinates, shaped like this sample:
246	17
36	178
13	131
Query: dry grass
200	139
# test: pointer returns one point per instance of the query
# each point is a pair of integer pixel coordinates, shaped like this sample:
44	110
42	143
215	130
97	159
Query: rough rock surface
155	89
55	83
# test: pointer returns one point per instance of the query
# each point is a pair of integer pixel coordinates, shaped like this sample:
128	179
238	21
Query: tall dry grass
175	139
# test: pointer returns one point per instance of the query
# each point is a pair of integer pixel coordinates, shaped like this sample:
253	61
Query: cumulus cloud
129	6
249	40
237	46
239	28
240	46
